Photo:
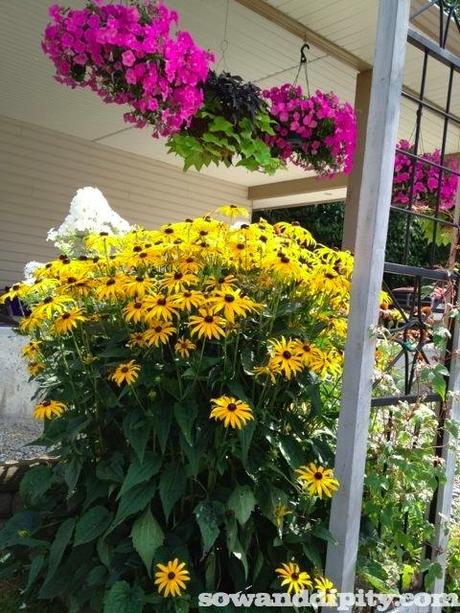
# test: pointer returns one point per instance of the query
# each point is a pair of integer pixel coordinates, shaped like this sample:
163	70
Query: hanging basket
127	55
229	129
315	132
422	186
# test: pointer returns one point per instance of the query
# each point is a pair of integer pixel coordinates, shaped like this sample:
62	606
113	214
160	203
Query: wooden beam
373	216
297	28
296	186
362	99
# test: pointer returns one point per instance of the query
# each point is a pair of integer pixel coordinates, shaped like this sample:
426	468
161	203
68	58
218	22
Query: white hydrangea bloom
29	270
89	213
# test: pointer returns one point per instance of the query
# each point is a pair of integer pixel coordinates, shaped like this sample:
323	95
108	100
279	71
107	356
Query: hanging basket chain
303	64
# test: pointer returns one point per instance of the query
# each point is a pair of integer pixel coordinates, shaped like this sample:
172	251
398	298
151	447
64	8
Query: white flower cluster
29	270
89	213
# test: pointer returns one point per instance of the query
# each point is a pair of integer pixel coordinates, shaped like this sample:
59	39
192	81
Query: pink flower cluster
426	180
127	55
316	132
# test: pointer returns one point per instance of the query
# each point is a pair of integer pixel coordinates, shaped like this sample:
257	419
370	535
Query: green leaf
242	503
323	533
135	500
185	417
111	469
181	605
72	472
313	555
147	537
91	525
220	124
245	435
122	598
162	420
61	540
208	516
140	472
34	570
292	451
97	576
104	551
172	487
137	430
35	483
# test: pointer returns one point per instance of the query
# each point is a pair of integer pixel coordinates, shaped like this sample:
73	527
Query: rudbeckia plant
185	381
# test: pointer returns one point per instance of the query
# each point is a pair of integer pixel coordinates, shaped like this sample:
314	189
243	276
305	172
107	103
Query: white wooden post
373	214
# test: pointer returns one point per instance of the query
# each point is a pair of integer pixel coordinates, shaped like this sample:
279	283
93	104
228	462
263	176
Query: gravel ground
15	434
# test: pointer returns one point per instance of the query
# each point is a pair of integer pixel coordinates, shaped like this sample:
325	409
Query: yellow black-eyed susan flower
68	321
317	480
126	373
296	579
134	311
171	578
184	347
158	333
160	307
49	409
326	590
207	324
233	412
285	357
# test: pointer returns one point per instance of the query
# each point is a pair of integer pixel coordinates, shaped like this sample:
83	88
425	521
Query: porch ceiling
259	50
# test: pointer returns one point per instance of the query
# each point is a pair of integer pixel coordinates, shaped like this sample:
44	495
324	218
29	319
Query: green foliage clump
228	129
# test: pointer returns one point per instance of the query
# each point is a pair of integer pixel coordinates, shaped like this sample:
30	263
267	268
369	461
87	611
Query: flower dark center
263	239
138	305
96	259
66	316
71	280
110	282
287	355
229	298
143	255
48	300
125	369
178	275
171	576
318	476
161	301
285	259
231	407
203	233
306	348
209	319
295	577
158	329
169	231
16	286
46	403
147	245
139	279
329	275
103	233
137	249
240	246
187	294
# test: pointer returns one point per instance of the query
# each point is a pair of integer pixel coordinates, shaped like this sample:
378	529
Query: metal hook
303	56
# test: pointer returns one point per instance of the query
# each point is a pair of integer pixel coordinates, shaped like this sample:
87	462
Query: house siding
40	170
